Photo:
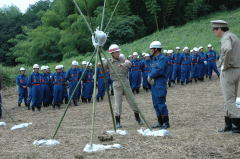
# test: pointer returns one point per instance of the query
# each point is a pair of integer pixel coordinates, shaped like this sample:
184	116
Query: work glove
150	81
205	62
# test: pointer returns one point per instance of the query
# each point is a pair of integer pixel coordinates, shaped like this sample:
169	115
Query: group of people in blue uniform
46	88
185	67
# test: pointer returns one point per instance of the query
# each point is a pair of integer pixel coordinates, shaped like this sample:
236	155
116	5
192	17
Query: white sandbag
120	132
238	102
20	126
99	147
44	142
148	132
2	124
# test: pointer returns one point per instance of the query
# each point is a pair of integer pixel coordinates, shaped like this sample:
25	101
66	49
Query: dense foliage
51	31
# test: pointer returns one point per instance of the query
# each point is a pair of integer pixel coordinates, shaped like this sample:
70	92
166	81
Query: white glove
150	81
205	62
222	67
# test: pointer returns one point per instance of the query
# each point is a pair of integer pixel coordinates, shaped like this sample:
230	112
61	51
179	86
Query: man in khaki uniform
229	64
121	66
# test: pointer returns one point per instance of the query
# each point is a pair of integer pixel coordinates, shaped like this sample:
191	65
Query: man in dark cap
229	63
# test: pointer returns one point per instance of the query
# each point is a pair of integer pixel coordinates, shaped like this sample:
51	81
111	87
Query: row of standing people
182	67
46	88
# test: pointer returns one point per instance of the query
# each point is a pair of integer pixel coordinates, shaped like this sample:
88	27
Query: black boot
118	122
159	124
75	103
101	98
28	106
97	99
169	84
178	81
54	106
112	93
89	100
138	119
33	108
39	108
196	80
235	125
228	125
166	124
0	114
137	91
182	83
19	104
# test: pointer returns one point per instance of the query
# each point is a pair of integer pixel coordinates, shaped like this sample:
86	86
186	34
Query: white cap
164	51
147	55
178	48
155	45
22	69
135	54
185	48
35	66
84	63
195	49
200	47
209	45
114	48
58	67
170	51
75	63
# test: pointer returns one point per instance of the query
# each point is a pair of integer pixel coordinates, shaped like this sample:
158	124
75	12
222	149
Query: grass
196	33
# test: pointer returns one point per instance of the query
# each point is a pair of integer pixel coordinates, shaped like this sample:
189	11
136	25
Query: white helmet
84	63
155	45
103	59
147	55
195	49
185	48
75	63
35	66
135	54
178	48
209	45
200	48
43	68
164	51
47	67
170	51
61	66
114	48
22	69
58	67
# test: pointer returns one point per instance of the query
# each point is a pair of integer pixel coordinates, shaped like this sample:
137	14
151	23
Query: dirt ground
196	113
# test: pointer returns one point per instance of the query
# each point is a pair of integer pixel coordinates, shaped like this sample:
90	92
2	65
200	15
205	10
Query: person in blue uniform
65	92
34	83
73	76
135	73
211	59
169	55
195	67
201	64
46	82
57	82
176	75
145	71
22	81
51	86
100	82
87	90
158	79
185	66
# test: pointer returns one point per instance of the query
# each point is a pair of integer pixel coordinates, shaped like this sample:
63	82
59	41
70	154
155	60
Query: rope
112	15
79	10
94	98
68	104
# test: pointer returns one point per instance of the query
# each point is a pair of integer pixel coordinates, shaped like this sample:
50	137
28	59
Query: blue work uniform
212	66
65	92
185	68
22	82
57	81
101	83
51	88
46	92
34	83
87	90
145	71
176	75
194	67
159	88
136	74
201	65
73	76
169	69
